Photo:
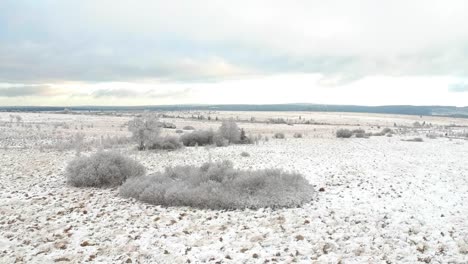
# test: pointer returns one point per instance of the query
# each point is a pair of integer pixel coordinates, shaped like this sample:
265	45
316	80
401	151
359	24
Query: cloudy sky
111	52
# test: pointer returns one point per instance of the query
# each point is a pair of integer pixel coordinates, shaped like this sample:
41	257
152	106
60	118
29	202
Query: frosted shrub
220	141
343	133
145	131
361	135
297	135
167	143
279	136
358	131
245	154
387	131
417	139
220	186
230	131
102	169
198	138
189	128
168	125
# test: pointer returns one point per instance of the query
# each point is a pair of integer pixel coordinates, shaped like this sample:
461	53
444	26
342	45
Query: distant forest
389	109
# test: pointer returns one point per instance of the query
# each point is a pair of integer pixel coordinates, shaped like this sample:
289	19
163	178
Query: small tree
145	130
230	131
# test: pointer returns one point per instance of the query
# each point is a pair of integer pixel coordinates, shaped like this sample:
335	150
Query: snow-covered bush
102	169
297	135
168	125
279	135
245	154
230	131
220	186
167	143
358	131
189	128
145	131
198	138
362	135
387	131
344	133
416	139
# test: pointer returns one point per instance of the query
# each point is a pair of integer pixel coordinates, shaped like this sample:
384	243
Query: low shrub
220	186
102	169
417	139
361	135
114	141
245	154
344	133
167	143
179	131
198	138
297	135
378	134
387	131
168	125
220	141
277	121
279	135
188	128
358	131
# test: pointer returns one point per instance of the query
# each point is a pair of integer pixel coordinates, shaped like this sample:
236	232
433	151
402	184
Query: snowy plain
382	200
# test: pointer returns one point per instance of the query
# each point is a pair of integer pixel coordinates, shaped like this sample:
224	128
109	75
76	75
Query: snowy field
381	200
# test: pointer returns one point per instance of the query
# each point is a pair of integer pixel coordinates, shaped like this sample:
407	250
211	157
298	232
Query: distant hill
451	111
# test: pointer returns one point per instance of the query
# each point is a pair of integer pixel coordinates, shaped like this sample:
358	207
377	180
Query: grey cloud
458	87
114	93
31	90
129	93
155	39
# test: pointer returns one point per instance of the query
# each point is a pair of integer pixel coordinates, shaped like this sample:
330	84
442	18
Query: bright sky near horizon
85	52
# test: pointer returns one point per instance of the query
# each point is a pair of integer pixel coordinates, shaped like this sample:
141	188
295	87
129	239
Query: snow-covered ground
383	201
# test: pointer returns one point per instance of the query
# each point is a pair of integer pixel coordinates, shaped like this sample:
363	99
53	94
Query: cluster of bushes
146	131
385	132
213	185
220	186
361	133
228	133
277	121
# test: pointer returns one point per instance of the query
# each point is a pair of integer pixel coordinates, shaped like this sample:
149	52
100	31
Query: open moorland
396	195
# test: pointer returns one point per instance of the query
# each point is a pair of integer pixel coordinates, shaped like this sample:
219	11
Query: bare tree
230	131
145	130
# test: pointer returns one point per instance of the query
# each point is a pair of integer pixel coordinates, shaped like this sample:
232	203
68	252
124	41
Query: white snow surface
384	201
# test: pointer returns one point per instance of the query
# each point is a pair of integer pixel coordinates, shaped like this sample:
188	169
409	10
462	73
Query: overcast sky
111	52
